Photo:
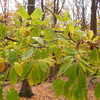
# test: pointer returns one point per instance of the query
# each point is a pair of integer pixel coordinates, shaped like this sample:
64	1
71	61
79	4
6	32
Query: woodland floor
44	91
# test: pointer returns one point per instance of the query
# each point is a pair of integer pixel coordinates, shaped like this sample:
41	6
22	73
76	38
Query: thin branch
54	8
70	37
42	5
58	31
57	5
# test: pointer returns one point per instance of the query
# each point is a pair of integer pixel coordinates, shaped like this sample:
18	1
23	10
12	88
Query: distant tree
57	9
80	11
83	15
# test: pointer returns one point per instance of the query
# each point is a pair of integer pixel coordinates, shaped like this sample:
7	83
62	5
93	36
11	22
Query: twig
69	35
50	11
10	39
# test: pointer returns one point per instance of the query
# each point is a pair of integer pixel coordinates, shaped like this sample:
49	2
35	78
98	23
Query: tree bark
31	6
53	70
26	90
93	17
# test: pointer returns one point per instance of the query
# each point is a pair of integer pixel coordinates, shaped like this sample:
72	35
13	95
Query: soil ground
43	91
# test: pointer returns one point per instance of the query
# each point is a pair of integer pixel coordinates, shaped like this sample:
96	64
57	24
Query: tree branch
61	6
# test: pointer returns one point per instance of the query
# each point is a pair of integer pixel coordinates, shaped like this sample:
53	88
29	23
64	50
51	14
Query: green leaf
72	72
27	69
37	14
65	67
79	90
39	72
70	28
39	40
12	76
27	54
23	13
12	95
64	17
90	35
1	93
41	54
94	56
71	51
59	87
83	66
49	34
18	68
2	31
97	90
12	56
43	66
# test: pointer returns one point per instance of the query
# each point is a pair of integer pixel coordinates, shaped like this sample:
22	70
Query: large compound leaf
27	69
79	89
39	40
13	76
27	54
18	68
65	67
12	56
2	31
59	87
38	73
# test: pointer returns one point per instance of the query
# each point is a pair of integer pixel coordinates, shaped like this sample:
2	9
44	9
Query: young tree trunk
53	70
53	73
93	16
26	90
31	6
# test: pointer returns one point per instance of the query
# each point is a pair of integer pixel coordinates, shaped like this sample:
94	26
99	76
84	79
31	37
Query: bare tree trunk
93	16
31	6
